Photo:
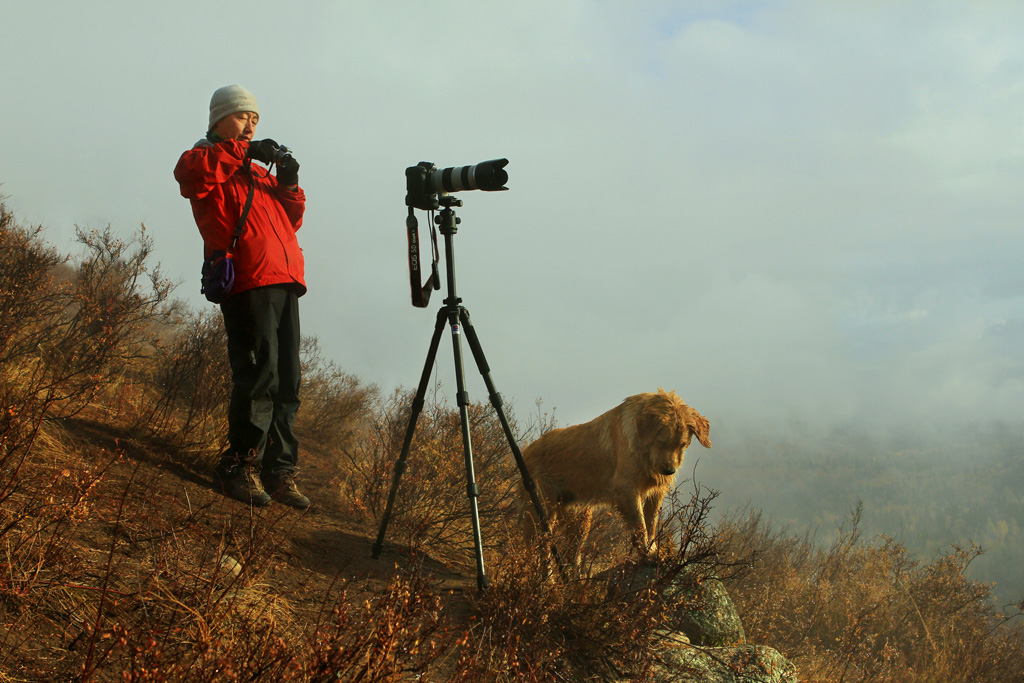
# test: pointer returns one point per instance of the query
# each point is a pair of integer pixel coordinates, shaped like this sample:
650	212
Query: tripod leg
417	407
471	488
496	401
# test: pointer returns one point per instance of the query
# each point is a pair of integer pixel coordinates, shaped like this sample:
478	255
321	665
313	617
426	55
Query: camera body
425	181
269	152
281	155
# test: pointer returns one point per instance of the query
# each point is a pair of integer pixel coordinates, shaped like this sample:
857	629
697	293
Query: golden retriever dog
626	458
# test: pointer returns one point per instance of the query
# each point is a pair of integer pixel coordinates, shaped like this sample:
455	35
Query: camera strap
247	169
421	294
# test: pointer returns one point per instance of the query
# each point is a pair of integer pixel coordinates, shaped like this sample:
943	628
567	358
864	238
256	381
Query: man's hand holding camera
269	152
288	171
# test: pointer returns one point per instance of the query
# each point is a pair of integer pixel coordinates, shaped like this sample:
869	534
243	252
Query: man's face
238	126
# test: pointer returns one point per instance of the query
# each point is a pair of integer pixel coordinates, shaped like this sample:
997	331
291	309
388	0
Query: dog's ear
648	423
701	428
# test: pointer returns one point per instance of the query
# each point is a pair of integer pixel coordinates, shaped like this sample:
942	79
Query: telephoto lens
489	176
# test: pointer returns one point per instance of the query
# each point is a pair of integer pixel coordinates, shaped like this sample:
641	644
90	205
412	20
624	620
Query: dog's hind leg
534	540
530	527
576	526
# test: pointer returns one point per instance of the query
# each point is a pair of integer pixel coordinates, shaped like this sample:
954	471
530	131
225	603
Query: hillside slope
119	560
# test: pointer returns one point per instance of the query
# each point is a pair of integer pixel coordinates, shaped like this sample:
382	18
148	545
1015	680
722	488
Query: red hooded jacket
268	251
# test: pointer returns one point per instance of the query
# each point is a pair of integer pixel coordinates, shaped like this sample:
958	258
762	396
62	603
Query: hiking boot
242	483
283	489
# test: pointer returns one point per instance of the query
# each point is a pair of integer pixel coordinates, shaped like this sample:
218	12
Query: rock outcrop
707	642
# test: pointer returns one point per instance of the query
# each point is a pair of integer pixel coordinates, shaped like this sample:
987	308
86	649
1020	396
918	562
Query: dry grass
865	610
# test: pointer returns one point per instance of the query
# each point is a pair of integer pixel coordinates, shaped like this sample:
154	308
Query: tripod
457	317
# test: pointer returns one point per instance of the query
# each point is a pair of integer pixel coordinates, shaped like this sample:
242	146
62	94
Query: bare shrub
334	403
177	612
594	625
30	302
190	383
869	611
190	389
37	504
399	634
109	321
395	634
31	297
432	511
162	603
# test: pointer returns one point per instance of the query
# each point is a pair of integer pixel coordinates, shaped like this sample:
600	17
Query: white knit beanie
228	100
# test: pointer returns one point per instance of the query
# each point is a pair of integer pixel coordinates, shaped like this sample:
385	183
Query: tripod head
447	221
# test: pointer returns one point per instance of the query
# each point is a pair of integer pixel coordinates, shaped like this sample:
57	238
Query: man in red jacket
261	315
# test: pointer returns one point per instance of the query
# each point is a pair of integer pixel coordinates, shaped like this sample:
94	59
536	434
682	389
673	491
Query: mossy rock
701	607
682	662
706	613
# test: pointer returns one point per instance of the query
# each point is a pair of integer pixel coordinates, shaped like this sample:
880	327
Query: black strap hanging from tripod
421	294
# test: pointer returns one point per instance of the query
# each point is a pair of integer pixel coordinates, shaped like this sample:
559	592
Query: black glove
287	171
264	150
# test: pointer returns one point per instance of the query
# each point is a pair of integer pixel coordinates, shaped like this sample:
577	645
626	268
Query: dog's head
665	427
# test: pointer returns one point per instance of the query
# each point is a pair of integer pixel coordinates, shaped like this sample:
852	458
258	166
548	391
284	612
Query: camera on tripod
425	181
423	185
428	188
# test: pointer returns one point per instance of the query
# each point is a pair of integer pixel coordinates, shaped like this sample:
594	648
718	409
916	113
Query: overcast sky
780	210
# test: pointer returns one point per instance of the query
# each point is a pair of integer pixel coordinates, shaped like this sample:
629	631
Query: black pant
263	347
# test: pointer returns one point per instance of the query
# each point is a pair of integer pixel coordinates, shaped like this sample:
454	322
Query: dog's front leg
652	512
632	513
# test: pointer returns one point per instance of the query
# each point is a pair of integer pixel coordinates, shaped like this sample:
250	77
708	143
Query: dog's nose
668	472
